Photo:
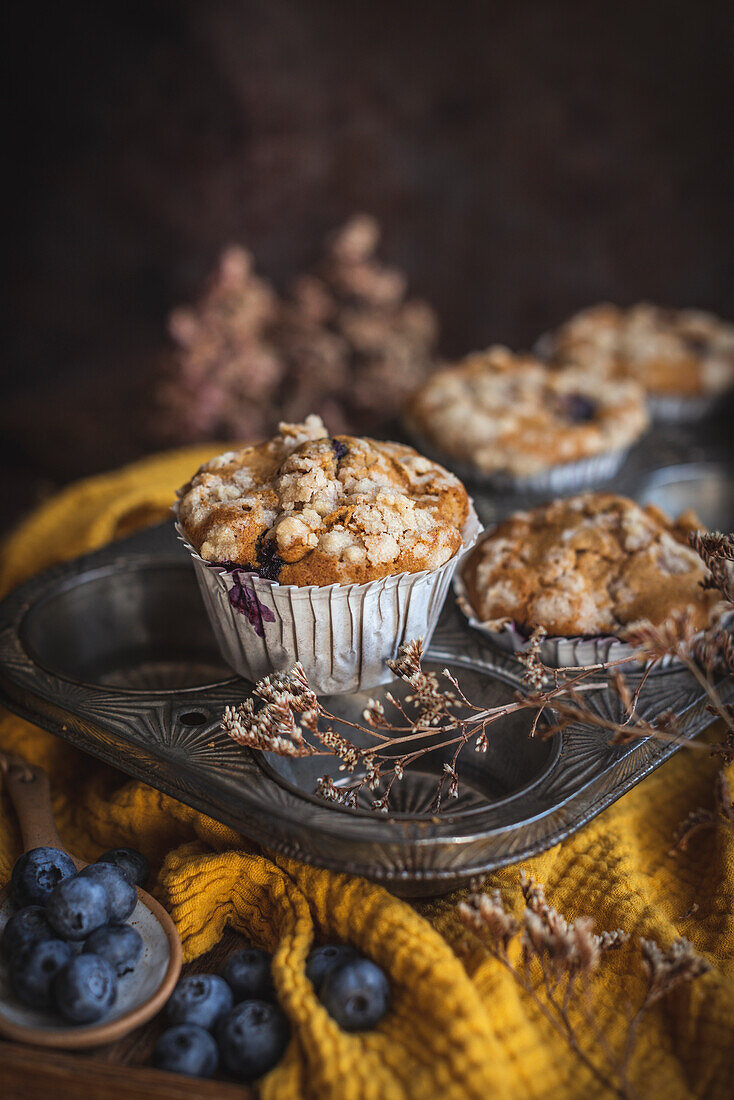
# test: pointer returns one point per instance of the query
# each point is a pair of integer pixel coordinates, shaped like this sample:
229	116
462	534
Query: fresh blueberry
33	970
252	1039
76	907
38	873
133	865
122	897
356	994
25	927
248	975
85	989
200	999
322	961
120	944
186	1049
577	408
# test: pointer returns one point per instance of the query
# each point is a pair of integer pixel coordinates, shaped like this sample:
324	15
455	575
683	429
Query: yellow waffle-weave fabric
459	1027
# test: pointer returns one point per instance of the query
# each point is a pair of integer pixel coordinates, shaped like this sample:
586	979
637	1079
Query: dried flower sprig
666	970
567	955
433	716
716	550
700	819
346	342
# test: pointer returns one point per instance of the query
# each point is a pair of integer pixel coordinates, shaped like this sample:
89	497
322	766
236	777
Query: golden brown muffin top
508	413
306	508
595	564
670	352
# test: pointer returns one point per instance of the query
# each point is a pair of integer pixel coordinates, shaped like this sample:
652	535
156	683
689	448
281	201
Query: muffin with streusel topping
507	418
370	531
684	359
595	565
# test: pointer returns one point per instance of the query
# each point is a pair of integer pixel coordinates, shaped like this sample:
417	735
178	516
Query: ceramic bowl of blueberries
83	958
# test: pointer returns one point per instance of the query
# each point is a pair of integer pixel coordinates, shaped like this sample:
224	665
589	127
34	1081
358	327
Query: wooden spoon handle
30	794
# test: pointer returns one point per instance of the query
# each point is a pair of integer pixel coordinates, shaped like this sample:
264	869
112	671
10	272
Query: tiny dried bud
485	914
666	970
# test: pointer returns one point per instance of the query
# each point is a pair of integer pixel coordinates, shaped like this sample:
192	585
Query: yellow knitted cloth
459	1027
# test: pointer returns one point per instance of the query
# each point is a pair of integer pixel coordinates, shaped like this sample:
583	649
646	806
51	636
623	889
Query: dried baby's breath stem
666	970
435	715
716	550
567	955
702	819
432	717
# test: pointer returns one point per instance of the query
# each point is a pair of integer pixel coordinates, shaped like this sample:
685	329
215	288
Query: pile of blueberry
233	1018
67	943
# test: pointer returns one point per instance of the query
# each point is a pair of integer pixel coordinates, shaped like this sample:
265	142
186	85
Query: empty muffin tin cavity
512	764
141	628
705	487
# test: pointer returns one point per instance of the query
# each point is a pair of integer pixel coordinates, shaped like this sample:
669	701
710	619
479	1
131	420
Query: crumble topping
509	413
306	508
675	352
595	564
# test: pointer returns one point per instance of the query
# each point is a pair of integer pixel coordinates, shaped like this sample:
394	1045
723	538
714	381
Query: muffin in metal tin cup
507	423
684	359
589	570
331	551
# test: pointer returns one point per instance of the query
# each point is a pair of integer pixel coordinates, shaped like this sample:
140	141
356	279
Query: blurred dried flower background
345	341
523	160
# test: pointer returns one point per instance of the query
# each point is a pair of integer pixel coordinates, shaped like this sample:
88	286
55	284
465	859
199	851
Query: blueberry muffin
508	414
594	564
306	508
671	353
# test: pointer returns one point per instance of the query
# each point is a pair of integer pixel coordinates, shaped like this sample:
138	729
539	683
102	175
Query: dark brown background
525	159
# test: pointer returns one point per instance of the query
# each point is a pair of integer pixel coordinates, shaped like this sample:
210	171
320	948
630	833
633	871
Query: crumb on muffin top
508	413
595	564
306	508
670	352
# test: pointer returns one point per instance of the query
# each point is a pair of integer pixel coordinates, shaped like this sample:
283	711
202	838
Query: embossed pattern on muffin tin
114	653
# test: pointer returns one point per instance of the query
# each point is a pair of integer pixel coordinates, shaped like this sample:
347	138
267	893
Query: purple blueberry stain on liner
244	600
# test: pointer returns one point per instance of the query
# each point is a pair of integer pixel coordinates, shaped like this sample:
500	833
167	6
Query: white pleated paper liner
576	652
672	409
564	479
342	634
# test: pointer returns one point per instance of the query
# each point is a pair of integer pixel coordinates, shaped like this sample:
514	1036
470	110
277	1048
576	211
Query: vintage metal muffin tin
114	653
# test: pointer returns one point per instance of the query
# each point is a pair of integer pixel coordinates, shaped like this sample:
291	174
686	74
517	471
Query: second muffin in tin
589	570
